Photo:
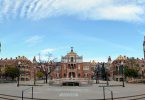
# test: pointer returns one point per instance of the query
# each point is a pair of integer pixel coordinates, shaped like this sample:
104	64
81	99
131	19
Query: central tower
72	65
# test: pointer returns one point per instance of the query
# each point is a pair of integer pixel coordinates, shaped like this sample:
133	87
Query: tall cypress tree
103	72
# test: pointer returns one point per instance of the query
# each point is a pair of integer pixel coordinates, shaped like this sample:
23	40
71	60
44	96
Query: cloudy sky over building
95	28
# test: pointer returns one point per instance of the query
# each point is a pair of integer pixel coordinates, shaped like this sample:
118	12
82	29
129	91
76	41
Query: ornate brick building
25	67
121	62
117	66
72	69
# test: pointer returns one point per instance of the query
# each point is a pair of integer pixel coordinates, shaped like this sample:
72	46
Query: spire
72	49
39	57
34	60
109	60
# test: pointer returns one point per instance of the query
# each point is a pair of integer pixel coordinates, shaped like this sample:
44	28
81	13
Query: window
64	75
57	69
121	79
72	59
64	67
79	67
116	79
79	75
86	68
72	66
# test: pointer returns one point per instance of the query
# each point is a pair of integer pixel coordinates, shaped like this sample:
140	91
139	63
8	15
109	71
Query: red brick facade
72	66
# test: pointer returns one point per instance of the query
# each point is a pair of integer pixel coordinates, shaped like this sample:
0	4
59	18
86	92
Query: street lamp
122	74
19	63
46	77
34	75
46	73
96	73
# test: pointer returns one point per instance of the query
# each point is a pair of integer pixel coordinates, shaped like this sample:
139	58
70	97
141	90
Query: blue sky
95	28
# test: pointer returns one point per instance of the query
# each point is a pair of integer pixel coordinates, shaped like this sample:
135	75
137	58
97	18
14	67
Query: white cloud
46	54
34	39
47	51
121	10
15	8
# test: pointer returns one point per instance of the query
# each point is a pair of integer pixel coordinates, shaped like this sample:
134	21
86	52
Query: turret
34	60
109	60
72	49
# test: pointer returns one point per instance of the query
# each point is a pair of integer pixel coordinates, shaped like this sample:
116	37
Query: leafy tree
12	72
40	74
130	72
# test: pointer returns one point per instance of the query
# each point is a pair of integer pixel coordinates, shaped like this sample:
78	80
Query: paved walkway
73	93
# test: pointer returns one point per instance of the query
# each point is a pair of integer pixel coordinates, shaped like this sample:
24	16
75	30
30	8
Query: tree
12	72
40	74
103	71
130	72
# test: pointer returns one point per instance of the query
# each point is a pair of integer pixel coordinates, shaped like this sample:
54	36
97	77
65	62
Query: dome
121	58
93	62
22	58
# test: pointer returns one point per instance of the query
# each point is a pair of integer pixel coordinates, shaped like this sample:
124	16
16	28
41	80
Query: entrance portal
70	84
72	75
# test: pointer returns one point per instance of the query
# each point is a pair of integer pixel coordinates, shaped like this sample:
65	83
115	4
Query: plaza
72	49
93	92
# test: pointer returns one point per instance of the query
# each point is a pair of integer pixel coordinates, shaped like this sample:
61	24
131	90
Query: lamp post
96	73
46	73
19	63
34	75
46	77
49	71
122	74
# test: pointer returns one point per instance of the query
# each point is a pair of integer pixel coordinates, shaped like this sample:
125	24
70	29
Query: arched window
64	75
71	75
72	59
79	75
86	75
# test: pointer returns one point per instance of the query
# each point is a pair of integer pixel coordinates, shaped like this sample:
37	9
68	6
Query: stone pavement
74	93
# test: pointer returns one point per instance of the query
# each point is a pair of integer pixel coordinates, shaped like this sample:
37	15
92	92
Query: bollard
104	92
26	90
111	95
32	92
22	94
